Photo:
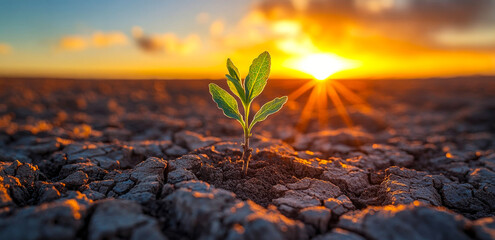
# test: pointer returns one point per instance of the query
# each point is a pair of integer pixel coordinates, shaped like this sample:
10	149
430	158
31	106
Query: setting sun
321	65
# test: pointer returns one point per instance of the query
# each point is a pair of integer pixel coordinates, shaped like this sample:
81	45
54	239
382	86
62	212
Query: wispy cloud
101	39
168	43
98	39
257	29
203	18
5	48
344	22
73	43
387	37
217	27
472	38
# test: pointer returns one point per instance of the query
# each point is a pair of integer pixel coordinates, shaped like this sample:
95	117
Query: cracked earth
82	159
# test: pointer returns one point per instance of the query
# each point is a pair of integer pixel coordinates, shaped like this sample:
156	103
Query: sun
321	65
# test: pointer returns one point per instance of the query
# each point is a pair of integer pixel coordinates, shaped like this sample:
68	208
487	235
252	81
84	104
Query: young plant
246	91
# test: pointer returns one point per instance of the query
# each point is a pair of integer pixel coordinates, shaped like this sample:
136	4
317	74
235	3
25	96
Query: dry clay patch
461	183
300	185
278	158
278	175
402	171
278	172
317	192
373	175
274	162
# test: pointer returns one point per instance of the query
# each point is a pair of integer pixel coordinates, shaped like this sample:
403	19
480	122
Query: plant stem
246	154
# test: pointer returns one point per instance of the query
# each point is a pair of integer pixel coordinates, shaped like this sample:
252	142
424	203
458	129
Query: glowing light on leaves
246	91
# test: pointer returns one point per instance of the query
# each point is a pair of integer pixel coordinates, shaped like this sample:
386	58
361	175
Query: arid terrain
129	159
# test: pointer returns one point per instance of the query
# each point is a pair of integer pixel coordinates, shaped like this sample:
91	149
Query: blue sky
30	23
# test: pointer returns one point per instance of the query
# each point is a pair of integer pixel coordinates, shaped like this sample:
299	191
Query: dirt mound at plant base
264	172
258	184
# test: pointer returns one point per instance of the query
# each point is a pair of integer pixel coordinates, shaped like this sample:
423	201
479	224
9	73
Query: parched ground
89	159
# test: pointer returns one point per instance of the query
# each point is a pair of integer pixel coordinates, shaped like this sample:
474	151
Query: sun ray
301	90
351	96
321	66
334	96
322	104
307	111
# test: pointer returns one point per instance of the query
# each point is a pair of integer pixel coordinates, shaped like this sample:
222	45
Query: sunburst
321	67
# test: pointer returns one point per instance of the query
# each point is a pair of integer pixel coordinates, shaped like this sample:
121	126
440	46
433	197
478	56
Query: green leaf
226	102
236	87
268	109
233	70
258	74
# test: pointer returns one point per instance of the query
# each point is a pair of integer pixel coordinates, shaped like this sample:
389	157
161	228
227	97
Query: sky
192	39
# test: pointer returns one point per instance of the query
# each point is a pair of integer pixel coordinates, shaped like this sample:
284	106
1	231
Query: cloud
98	39
203	18
73	43
476	37
340	22
217	28
383	37
101	39
168	43
5	48
434	12
256	29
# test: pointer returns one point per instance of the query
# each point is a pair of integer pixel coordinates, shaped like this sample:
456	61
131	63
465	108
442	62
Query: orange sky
190	39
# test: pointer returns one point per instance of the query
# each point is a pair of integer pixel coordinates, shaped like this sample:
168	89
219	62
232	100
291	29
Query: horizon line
28	77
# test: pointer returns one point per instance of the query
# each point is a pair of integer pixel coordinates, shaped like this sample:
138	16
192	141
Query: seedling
246	91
